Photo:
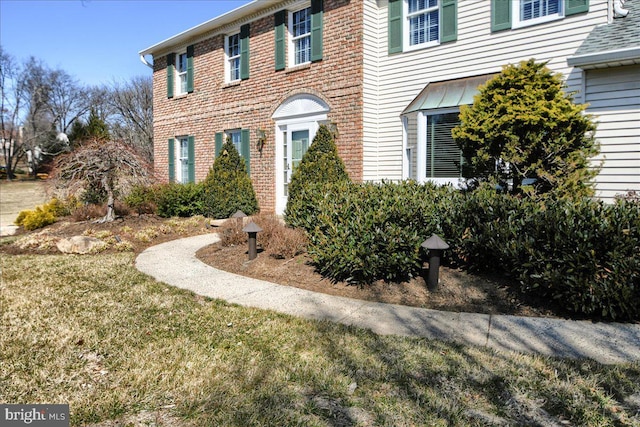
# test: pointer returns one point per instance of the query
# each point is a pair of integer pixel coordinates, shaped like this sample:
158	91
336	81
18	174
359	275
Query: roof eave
224	19
612	58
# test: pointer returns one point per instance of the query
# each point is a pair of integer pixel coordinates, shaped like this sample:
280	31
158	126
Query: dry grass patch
93	332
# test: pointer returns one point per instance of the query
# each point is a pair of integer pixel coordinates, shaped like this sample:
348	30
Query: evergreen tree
319	166
523	125
228	187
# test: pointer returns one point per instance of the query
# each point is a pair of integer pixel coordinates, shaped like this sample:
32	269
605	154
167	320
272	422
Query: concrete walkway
175	264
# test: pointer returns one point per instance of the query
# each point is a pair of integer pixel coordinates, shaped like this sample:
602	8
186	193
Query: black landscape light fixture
435	245
252	229
239	215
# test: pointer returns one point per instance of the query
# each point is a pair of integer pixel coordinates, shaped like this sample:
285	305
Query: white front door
296	122
293	142
296	144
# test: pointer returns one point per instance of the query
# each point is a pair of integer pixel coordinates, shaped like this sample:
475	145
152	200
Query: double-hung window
236	52
233	57
415	24
235	136
240	139
423	22
298	35
300	30
181	159
181	72
508	14
531	12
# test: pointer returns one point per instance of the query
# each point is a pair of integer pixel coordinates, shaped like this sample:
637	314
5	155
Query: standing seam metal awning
449	93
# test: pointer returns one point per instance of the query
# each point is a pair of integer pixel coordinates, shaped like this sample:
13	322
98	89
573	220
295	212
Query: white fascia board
591	60
227	18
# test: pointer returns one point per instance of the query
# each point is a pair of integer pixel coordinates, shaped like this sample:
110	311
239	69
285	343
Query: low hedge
582	253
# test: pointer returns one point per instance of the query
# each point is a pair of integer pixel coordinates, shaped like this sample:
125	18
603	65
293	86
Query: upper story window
300	36
232	49
415	24
181	72
508	14
530	12
423	22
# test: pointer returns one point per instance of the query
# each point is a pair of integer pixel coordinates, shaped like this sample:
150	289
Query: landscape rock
79	245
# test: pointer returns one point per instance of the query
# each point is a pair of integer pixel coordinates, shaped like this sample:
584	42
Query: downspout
618	10
145	62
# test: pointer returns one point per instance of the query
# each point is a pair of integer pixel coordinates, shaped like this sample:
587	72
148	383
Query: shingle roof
617	43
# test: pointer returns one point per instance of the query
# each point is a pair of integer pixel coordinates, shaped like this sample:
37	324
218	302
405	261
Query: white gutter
227	18
590	60
145	62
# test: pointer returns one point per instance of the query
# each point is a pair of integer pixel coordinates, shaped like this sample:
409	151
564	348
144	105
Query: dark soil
457	290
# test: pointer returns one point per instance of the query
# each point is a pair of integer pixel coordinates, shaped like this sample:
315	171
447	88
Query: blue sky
97	41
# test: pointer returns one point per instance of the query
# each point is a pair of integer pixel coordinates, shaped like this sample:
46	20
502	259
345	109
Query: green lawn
93	332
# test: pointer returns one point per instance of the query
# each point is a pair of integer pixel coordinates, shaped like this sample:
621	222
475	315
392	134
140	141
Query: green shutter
449	23
394	36
246	148
191	160
172	164
317	12
170	64
500	15
189	69
244	51
280	19
219	142
576	6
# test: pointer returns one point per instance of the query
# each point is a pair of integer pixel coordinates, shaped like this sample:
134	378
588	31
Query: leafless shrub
286	242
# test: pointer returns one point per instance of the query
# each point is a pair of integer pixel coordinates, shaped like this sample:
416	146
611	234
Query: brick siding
215	106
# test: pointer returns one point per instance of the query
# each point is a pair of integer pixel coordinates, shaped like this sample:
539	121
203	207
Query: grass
93	332
17	196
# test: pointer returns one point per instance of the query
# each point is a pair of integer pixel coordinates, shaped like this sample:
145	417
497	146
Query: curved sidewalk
175	263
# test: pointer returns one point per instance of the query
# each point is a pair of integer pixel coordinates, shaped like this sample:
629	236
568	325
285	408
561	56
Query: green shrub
320	165
227	187
366	232
142	199
182	200
581	255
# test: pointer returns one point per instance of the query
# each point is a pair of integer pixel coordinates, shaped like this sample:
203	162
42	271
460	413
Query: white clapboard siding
400	77
613	96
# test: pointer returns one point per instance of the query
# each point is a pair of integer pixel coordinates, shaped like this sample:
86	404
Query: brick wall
215	106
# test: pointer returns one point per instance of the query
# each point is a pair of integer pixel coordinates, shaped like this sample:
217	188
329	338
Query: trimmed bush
582	255
142	199
320	165
228	187
181	200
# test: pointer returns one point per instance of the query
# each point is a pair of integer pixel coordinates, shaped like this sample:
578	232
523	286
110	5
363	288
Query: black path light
252	229
435	245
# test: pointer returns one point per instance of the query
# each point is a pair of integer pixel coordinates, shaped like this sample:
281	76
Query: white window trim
406	28
421	154
227	58
517	23
180	178
228	134
291	49
178	74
